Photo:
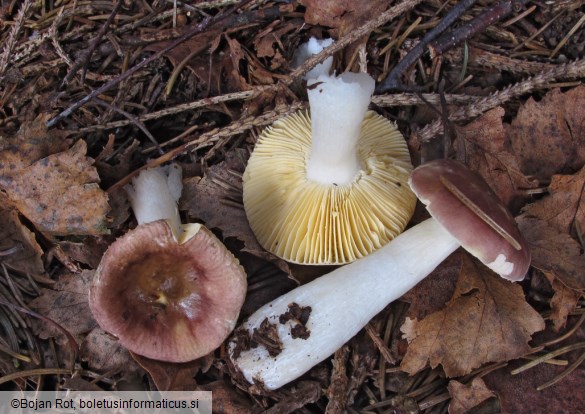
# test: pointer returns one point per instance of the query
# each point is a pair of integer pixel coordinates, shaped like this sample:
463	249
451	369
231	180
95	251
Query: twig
392	80
475	25
197	29
94	43
565	71
384	351
210	138
563	374
34	372
13	36
385	17
550	355
486	59
132	119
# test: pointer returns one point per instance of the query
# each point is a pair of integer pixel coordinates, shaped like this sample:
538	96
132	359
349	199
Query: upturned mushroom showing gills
309	323
332	187
167	291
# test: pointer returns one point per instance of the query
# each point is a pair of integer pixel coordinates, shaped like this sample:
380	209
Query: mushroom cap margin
473	233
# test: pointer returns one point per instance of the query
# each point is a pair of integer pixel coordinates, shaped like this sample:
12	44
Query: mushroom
167	291
333	308
306	50
331	188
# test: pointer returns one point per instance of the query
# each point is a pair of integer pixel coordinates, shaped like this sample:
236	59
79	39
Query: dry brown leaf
487	320
345	15
563	302
431	294
548	136
217	200
236	55
60	194
32	142
170	376
88	251
563	208
554	252
103	353
26	257
484	147
267	44
465	397
66	304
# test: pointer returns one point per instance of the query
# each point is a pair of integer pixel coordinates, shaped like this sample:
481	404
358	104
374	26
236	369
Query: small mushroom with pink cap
166	290
309	323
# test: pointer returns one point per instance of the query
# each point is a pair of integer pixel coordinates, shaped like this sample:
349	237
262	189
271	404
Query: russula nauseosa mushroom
332	187
309	323
306	50
167	291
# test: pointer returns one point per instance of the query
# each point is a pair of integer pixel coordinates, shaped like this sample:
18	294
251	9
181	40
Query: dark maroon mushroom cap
165	300
463	203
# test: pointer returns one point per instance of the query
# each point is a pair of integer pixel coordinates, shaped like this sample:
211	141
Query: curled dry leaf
563	208
563	302
554	252
66	304
345	15
103	353
465	397
484	146
60	194
31	143
548	136
487	320
24	251
169	376
217	200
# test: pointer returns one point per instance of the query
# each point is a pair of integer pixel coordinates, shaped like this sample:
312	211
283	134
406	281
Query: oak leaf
564	205
60	194
487	320
66	304
554	252
25	253
103	353
217	200
31	143
548	136
484	146
344	15
465	397
563	302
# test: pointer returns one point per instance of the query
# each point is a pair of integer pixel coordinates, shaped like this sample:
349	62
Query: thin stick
548	356
94	43
563	374
197	29
565	71
13	36
392	80
132	119
475	25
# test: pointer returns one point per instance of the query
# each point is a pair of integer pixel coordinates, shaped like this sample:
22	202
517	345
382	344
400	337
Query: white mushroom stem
154	194
338	106
306	50
342	302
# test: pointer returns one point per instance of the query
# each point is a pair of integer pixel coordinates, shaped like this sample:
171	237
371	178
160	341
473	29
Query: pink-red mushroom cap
165	298
463	203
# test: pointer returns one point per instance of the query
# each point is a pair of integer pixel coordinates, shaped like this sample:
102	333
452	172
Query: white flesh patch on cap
501	266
